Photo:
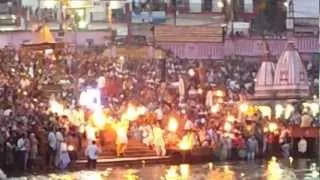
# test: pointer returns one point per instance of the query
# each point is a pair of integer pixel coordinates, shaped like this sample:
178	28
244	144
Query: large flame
272	127
173	124
132	112
215	108
186	143
228	126
230	118
243	108
100	119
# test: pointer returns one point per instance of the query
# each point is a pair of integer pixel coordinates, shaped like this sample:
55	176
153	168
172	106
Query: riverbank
299	169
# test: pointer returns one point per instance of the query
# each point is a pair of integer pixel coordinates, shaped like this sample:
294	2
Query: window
248	6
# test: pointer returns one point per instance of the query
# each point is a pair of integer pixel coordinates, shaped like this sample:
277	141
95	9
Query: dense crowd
201	95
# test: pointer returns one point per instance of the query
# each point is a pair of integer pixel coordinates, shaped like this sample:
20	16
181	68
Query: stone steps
134	149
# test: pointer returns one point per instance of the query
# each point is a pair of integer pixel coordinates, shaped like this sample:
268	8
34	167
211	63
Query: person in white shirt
101	82
52	147
21	152
60	139
302	146
92	152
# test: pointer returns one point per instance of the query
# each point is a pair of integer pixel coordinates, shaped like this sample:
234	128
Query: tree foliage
271	17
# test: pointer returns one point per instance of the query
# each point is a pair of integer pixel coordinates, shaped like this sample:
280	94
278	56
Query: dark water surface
272	170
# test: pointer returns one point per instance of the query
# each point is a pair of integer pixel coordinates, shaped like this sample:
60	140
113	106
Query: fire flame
227	127
186	143
132	112
230	118
70	148
273	127
173	124
243	108
215	108
99	118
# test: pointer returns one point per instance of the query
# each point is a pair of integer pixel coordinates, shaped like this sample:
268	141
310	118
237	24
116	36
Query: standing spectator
2	146
9	154
285	146
33	150
27	145
64	158
302	146
92	152
252	148
21	152
52	149
60	139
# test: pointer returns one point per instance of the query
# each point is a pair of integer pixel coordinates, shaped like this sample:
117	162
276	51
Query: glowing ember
191	72
70	148
173	124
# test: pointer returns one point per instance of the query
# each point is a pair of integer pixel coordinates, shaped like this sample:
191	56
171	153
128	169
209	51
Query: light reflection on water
209	171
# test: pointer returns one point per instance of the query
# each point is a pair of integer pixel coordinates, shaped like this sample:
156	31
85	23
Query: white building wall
306	8
195	6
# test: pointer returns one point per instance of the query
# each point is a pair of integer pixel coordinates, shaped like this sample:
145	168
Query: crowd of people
202	97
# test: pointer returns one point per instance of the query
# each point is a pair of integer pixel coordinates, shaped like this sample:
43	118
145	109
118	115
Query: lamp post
319	84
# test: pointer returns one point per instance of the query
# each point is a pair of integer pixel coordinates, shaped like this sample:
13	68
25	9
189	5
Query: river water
272	170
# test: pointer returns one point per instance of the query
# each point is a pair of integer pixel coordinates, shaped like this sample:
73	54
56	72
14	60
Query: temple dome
264	80
291	79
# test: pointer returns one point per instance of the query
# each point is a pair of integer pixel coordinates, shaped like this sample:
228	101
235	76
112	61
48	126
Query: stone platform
136	152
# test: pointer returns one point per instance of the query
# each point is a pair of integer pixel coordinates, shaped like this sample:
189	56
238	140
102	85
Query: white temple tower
264	78
291	79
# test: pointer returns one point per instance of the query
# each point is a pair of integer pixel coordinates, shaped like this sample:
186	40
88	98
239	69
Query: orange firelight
273	127
186	142
219	93
173	124
215	108
227	126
